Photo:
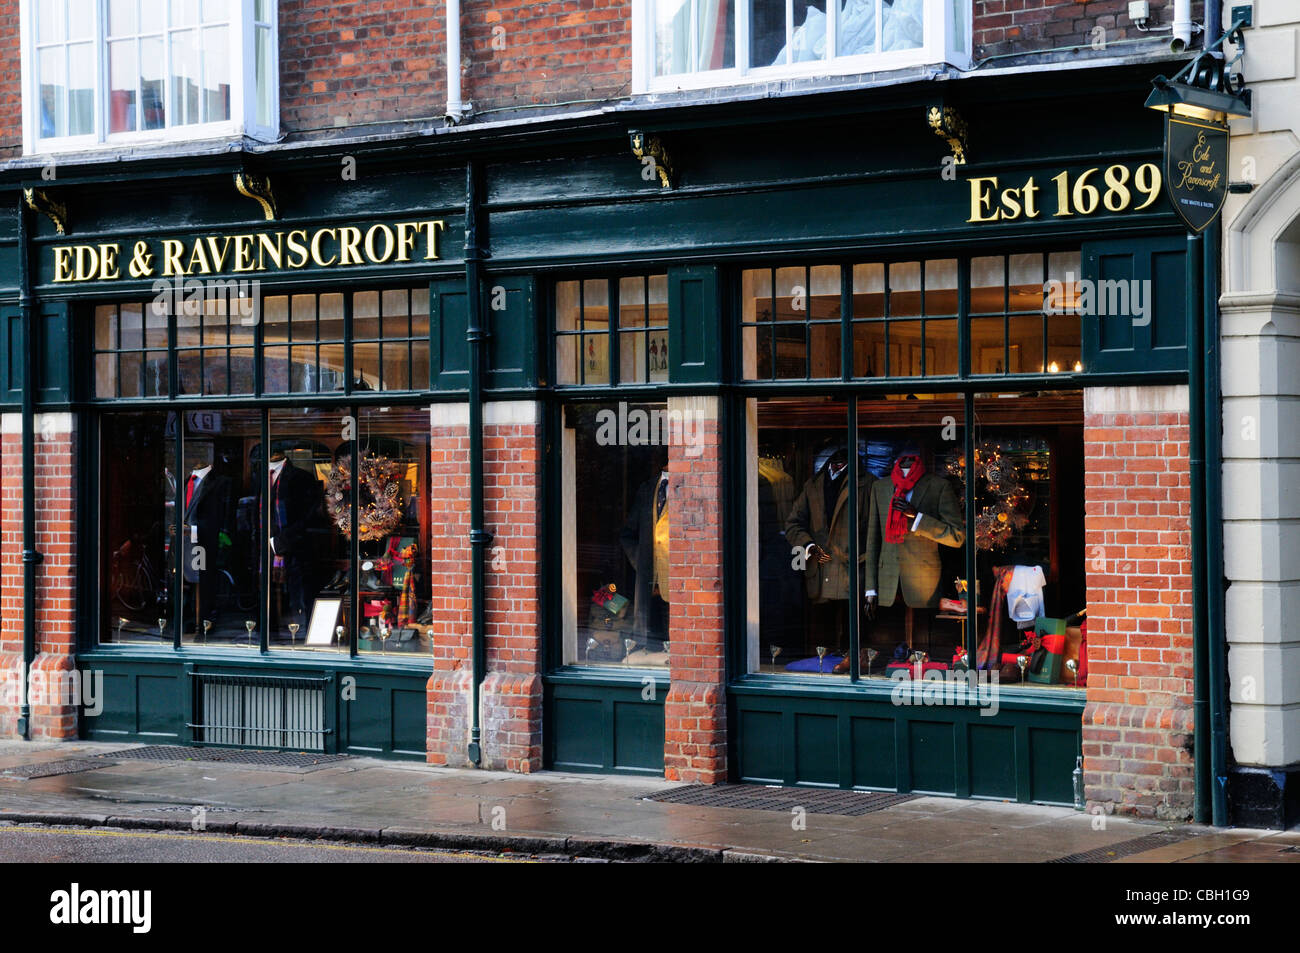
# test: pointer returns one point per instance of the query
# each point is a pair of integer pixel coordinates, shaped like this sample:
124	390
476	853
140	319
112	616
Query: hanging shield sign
1196	169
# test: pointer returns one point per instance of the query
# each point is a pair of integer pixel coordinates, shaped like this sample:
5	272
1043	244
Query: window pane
672	37
766	32
904	25
138	487
869	349
631	303
302	374
215	11
122	74
715	40
121	17
615	537
132	318
1063	329
809	39
331	317
941	287
184	12
905	289
105	375
857	28
1026	343
305	556
216	74
595	359
396	587
81	19
987	339
987	285
185	77
1026	282
397	317
262	10
303	310
941	352
395	362
263	75
54	117
152	105
81	89
219	514
50	17
365	315
151	15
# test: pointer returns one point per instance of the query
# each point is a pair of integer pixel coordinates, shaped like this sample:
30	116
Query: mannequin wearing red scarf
912	514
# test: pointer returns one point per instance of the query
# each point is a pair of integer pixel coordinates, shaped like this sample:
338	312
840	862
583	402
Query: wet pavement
361	800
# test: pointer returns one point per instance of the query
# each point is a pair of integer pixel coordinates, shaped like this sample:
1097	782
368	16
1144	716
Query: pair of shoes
426	617
339	581
842	667
370	580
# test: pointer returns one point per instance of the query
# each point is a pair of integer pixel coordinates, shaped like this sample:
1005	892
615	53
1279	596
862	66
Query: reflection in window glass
691	36
617	511
586	332
137	527
219	527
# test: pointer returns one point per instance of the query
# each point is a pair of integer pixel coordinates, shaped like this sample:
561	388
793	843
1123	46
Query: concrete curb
583	847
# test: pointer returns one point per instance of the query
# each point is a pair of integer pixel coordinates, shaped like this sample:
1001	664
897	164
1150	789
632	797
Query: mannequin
819	522
295	499
207	508
912	514
645	540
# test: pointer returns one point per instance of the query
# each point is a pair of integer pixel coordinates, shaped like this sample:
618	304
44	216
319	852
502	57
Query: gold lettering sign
250	252
1093	190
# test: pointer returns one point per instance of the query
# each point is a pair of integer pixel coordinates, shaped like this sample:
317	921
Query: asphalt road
34	845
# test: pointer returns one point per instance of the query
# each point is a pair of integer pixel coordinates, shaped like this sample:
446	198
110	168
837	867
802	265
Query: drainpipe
1213	25
455	108
479	537
30	556
1196	465
1216	624
1183	25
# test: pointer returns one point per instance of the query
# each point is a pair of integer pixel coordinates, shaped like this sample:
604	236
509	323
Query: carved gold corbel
257	188
38	200
646	146
948	125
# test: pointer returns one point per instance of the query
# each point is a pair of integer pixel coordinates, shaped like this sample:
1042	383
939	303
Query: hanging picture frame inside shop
324	619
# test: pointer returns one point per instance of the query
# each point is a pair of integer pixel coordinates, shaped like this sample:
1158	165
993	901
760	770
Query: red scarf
896	527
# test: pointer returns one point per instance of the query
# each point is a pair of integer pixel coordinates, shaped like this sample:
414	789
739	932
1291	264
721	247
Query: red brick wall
55	579
695	728
1014	26
512	690
11	95
1137	726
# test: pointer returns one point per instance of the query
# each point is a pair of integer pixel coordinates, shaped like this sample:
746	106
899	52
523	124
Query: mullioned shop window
207	530
906	319
301	339
611	331
913	537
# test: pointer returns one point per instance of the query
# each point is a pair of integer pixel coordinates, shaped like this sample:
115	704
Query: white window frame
947	40
243	93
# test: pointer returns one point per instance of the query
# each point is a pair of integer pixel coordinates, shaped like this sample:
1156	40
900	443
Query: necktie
661	498
189	489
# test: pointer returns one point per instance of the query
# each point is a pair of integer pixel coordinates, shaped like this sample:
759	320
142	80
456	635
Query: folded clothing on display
810	664
908	669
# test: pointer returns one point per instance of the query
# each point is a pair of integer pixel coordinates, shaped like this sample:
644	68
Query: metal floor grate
756	798
1125	848
50	769
284	759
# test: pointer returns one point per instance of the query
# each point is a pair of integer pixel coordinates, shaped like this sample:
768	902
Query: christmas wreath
380	509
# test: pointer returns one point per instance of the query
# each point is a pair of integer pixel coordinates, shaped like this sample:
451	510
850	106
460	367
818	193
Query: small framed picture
324	619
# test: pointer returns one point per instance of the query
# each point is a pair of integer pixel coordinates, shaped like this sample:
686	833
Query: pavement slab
365	800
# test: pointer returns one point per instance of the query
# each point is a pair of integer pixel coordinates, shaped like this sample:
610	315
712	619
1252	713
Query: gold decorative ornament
38	200
948	125
257	188
655	161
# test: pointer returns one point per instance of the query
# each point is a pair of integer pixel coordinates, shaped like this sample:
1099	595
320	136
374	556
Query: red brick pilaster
512	691
1137	726
54	707
695	729
449	564
511	694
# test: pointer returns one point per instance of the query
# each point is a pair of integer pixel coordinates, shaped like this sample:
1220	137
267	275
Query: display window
611	331
874	517
617	510
277	528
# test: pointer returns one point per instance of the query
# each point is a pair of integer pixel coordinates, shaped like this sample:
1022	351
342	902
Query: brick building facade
554	91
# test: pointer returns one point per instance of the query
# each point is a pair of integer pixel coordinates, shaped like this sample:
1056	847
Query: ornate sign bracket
38	200
257	188
949	126
653	154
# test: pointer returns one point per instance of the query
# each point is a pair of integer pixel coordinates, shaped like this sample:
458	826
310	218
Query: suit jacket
210	511
300	494
807	524
638	540
914	564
